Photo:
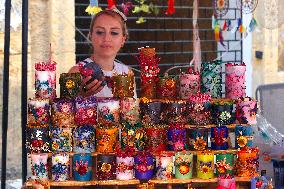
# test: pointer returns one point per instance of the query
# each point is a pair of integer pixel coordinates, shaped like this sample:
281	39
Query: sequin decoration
155	138
69	85
86	111
106	167
246	110
166	88
129	110
63	113
123	85
39	166
84	139
183	165
133	136
188	84
38	112
108	111
106	139
60	167
165	166
174	112
219	138
198	138
38	140
82	167
61	139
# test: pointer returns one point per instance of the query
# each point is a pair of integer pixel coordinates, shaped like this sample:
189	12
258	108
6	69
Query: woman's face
107	36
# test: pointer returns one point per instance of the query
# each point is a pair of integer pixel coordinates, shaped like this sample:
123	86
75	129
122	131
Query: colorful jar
211	78
144	166
199	109
82	167
164	166
156	137
235	85
177	137
38	140
106	167
106	139
69	85
129	109
60	167
150	111
123	85
244	136
38	112
219	138
246	110
39	166
148	88
205	165
63	112
222	111
133	136
175	112
45	80
125	168
86	110
247	162
224	164
84	139
108	111
166	88
189	83
61	139
183	165
198	138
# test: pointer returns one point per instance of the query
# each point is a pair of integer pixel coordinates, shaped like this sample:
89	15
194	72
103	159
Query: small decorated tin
198	138
183	165
61	139
177	137
82	167
224	164
106	167
144	166
106	139
244	136
123	85
108	111
69	85
205	165
38	112
39	166
166	88
133	136
84	139
246	110
38	140
60	167
219	138
156	137
165	166
63	112
86	110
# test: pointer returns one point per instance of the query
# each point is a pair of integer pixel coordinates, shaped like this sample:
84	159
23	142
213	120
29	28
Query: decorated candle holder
198	138
148	88
69	85
125	164
123	85
63	113
106	167
219	138
150	111
189	83
177	137
61	139
86	110
183	165
225	182
144	166
259	182
175	112
224	164
205	165
200	109
38	140
38	112
155	138
82	167
247	162
211	78
165	166
222	111
166	88
133	136
129	110
246	110
60	167
84	139
235	80
244	136
39	166
45	80
108	111
106	139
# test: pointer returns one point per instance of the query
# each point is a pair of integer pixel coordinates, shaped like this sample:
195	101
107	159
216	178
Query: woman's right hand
88	88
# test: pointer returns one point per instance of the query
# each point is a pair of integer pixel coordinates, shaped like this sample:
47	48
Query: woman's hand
88	88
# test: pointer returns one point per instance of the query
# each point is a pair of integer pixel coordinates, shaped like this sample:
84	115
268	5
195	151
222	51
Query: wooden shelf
194	180
231	126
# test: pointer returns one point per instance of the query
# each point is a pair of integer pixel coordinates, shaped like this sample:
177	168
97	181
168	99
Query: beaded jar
60	167
86	110
198	138
38	140
108	111
84	139
175	112
61	139
224	164
144	166
205	165
246	110
164	166
106	167
150	111
38	112
133	136
82	167
156	136
106	139
39	166
166	88
183	165
69	85
63	112
247	162
123	85
219	138
222	111
125	167
176	137
244	136
189	83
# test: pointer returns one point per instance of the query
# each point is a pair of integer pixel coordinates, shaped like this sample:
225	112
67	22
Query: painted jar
45	80
189	83
219	138
129	110
175	111
177	137
164	166
60	169
63	113
211	78
247	162
156	137
82	167
69	85
205	165
39	166
106	139
243	136
166	88
108	111
106	167
125	168
183	165
61	139
86	110
235	85
133	136
150	111
222	111
148	88
84	139
144	166
198	138
123	85
224	164
38	112
38	140
246	110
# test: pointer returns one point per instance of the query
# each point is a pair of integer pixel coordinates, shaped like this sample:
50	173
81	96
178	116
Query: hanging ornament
126	6
111	4
252	25
93	8
221	7
225	26
247	6
229	25
140	20
171	9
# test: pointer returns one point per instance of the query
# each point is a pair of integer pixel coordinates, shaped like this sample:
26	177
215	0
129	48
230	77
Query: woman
108	33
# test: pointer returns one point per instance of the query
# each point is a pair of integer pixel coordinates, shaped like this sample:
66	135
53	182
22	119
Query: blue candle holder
82	167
